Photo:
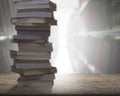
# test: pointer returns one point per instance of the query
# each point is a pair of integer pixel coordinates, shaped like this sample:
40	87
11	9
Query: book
46	77
34	83
34	44
40	1
28	41
23	53
30	37
34	71
34	2
30	61
30	57
33	20
36	14
33	32
31	65
50	7
35	10
36	49
33	28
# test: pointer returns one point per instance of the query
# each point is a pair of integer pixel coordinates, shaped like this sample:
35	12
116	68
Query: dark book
30	61
36	10
30	37
33	32
33	27
28	41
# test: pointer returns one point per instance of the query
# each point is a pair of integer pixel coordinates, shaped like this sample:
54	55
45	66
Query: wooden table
65	84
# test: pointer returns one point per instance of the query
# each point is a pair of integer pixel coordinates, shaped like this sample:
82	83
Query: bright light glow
62	59
2	38
62	62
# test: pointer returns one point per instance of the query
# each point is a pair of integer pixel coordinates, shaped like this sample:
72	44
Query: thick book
36	49
46	77
33	32
33	20
35	14
33	27
31	65
34	71
23	53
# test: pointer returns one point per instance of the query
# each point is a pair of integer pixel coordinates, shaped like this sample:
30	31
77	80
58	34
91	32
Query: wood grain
66	84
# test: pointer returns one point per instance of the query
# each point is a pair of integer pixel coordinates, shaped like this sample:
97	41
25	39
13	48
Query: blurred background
86	39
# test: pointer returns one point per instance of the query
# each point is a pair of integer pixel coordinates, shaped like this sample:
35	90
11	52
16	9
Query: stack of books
32	23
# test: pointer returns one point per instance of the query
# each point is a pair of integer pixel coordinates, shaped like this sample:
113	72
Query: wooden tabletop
66	84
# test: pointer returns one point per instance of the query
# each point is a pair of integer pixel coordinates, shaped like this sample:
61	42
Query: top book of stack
28	4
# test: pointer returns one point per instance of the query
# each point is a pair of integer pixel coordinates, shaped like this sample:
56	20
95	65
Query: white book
35	14
32	65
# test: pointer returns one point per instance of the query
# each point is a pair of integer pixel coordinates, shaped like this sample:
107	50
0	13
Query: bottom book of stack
37	81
